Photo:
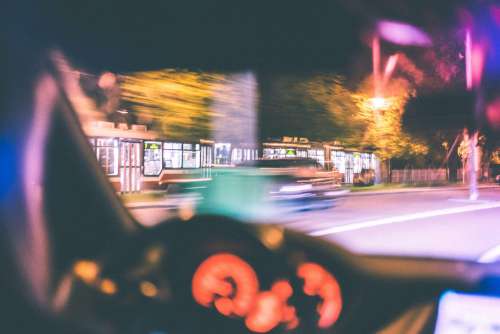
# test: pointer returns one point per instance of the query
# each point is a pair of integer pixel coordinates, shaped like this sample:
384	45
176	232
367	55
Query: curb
413	190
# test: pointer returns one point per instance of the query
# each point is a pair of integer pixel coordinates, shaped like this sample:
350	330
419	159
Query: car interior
76	261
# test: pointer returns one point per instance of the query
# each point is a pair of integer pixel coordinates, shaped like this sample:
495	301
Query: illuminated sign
152	145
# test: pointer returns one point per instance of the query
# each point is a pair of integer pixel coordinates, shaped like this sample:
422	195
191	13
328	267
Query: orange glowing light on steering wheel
227	282
319	282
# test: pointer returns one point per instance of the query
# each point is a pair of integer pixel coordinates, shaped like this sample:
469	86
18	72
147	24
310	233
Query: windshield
397	153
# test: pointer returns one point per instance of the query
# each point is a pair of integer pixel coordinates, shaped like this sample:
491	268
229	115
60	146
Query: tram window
152	158
222	153
206	156
318	155
107	154
236	155
92	143
191	156
172	155
301	153
338	158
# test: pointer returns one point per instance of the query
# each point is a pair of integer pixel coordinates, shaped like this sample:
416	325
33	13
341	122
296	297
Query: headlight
295	188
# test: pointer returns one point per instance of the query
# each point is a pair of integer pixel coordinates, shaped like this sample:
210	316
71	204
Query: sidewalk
167	202
418	189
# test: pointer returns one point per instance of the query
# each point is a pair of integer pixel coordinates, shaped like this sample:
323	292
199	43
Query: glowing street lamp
378	103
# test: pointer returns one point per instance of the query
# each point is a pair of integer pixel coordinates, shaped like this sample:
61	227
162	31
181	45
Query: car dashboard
216	275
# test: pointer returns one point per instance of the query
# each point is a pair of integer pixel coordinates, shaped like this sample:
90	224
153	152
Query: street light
378	103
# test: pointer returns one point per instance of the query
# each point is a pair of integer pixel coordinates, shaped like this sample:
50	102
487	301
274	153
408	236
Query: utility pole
473	78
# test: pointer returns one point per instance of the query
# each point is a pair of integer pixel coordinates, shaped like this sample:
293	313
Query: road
424	223
431	224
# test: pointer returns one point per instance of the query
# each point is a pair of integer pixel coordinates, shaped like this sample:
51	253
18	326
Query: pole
376	65
473	191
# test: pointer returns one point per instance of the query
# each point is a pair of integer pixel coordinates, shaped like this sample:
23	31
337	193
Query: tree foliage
177	104
383	125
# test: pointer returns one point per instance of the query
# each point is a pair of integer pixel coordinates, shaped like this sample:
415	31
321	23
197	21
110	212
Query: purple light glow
402	33
468	60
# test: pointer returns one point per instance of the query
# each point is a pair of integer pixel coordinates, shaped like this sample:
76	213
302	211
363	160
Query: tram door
349	168
130	166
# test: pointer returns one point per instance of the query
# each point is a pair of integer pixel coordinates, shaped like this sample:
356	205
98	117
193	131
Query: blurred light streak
148	289
376	65
389	69
284	291
224	305
272	237
490	256
319	282
468	60
493	114
495	13
108	287
154	254
402	33
7	167
477	58
378	103
86	270
107	80
62	293
266	313
32	247
210	282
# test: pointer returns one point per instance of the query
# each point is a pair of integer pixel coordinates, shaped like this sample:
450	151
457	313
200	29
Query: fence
412	176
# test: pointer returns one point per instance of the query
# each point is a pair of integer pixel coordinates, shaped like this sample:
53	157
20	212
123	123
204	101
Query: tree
384	125
177	104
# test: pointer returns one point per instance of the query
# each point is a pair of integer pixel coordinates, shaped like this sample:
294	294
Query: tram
137	159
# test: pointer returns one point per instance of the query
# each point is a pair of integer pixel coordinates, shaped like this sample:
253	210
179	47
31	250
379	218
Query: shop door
349	168
130	166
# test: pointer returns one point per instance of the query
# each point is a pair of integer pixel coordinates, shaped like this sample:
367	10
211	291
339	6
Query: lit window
318	155
222	153
191	156
172	155
152	158
106	150
338	158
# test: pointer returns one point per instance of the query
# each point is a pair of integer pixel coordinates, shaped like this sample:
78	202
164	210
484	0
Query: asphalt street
426	223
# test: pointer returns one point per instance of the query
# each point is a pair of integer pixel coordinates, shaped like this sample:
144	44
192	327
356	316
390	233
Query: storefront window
152	158
107	154
191	156
222	154
172	155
